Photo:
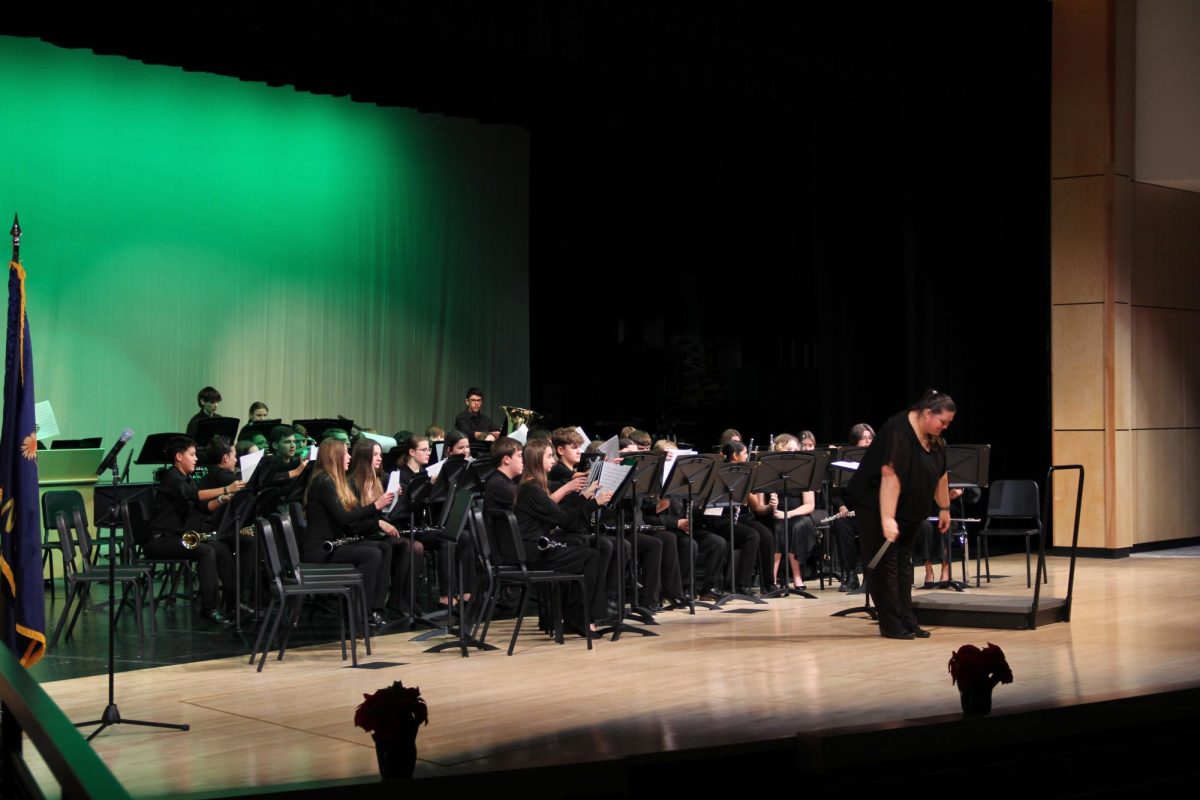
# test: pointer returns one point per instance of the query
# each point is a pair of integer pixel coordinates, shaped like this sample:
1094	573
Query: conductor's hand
943	521
891	531
382	502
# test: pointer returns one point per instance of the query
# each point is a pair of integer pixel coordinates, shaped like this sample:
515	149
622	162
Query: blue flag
20	525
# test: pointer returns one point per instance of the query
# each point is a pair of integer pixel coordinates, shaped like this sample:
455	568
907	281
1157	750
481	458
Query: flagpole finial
16	237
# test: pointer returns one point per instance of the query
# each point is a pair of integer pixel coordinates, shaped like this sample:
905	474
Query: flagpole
16	237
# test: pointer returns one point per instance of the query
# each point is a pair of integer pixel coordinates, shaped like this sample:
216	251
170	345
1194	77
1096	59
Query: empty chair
1010	503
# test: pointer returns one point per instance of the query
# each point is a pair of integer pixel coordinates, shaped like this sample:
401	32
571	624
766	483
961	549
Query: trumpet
193	539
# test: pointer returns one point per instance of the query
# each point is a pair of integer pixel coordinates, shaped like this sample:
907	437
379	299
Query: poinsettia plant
971	667
392	711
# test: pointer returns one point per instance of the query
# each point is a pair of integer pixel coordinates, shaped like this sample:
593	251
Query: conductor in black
903	468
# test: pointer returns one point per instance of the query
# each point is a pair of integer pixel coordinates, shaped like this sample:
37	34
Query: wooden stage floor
715	678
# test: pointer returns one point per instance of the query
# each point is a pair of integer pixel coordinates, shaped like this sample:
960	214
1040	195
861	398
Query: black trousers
213	560
670	576
751	546
891	582
368	559
578	559
606	574
400	592
844	533
650	560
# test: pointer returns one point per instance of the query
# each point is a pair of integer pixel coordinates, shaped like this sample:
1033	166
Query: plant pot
397	756
976	700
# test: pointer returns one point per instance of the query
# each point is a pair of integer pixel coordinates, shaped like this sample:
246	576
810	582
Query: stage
718	679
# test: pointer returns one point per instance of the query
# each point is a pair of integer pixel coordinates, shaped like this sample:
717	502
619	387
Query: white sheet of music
438	447
44	422
520	434
393	485
386	443
611	448
579	430
669	461
249	463
850	465
433	470
611	475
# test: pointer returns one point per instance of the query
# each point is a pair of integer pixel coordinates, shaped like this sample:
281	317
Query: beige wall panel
1080	114
1189	492
1158	368
1122	237
1122	365
1086	448
1166	247
1124	511
1077	366
1190	324
1162	480
1079	210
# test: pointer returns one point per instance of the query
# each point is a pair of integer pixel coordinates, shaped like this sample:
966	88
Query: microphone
110	460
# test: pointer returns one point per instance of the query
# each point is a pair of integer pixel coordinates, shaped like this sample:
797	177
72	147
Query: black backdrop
770	220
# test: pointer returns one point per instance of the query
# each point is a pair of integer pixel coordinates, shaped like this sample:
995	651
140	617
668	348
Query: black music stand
967	465
619	625
691	479
209	427
839	479
442	492
418	491
645	485
778	472
111	714
730	489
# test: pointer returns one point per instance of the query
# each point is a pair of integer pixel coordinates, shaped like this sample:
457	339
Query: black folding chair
1010	502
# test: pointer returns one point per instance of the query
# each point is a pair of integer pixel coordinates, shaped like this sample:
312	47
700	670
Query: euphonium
518	416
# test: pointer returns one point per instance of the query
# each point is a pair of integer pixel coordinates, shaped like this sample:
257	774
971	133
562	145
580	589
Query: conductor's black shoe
918	632
897	634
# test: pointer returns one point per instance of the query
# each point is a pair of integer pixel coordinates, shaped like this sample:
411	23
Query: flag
20	524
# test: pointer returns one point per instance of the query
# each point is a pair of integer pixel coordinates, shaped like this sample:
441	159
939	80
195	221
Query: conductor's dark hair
278	432
504	446
935	402
216	449
474	390
207	395
177	445
731	449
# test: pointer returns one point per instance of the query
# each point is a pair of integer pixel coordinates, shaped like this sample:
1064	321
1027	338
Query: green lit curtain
320	255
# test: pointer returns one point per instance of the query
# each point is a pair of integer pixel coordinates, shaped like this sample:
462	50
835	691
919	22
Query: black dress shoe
897	634
918	632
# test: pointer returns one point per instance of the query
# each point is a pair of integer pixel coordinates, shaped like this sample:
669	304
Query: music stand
209	427
619	625
645	485
839	478
730	490
691	478
778	472
967	465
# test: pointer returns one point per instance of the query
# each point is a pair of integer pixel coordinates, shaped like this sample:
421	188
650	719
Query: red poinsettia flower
970	666
392	711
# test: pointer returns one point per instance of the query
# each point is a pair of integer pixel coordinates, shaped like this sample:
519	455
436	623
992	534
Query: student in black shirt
473	422
209	400
180	506
500	491
843	530
902	469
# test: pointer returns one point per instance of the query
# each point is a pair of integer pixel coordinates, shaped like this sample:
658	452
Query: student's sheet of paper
249	463
611	448
438	447
393	486
433	470
312	453
47	425
583	435
611	475
520	434
850	465
669	462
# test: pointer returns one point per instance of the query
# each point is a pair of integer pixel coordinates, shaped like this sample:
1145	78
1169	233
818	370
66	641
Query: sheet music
579	430
44	423
249	463
393	485
312	453
594	471
433	470
386	443
437	448
520	434
611	475
669	461
716	511
611	448
848	465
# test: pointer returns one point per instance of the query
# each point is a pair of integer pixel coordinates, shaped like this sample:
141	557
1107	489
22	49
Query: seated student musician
180	506
366	459
259	411
435	434
500	491
704	547
793	531
937	545
729	435
456	443
288	467
209	400
641	440
540	517
843	530
565	485
334	512
751	540
473	422
222	461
